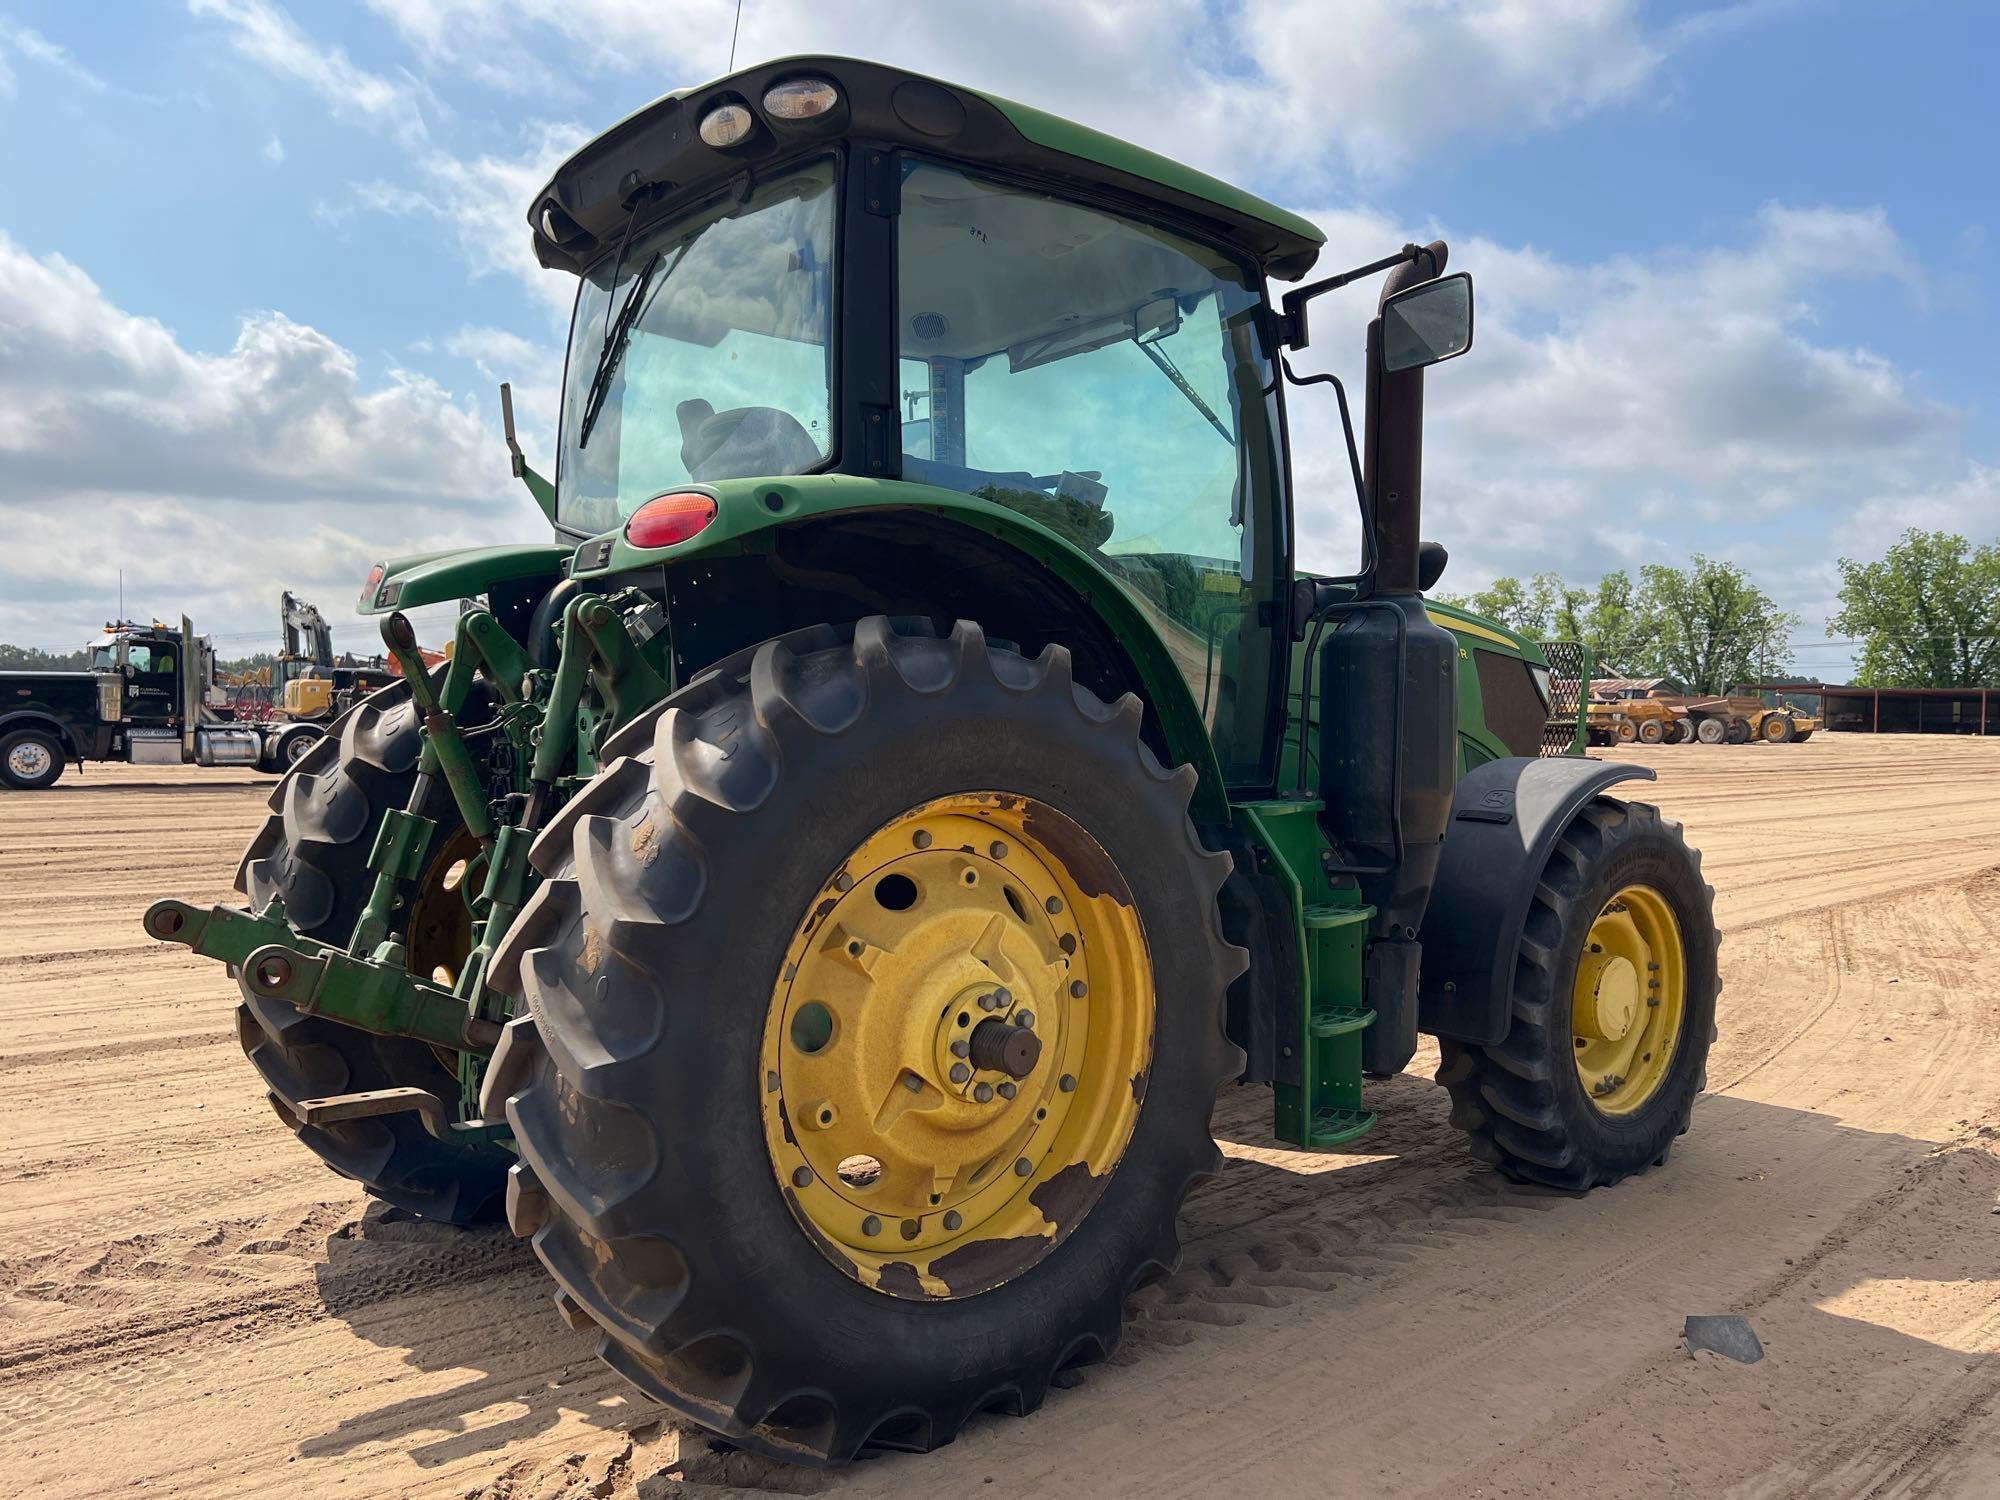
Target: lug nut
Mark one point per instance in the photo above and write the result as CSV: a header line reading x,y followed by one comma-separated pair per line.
x,y
997,849
1025,1020
1022,1166
960,1072
1053,905
989,1002
1078,989
871,1226
960,1048
802,1176
983,1093
953,1219
921,838
1007,1090
1068,1082
1002,997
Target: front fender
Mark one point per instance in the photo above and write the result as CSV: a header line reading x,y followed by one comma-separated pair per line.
x,y
1505,819
748,510
437,577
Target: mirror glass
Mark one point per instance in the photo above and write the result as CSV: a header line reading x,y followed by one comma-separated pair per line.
x,y
1427,324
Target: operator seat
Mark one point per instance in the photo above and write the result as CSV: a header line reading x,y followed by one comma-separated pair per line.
x,y
745,442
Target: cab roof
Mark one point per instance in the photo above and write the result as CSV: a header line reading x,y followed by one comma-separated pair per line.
x,y
657,155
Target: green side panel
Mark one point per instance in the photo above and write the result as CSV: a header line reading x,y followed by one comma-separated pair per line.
x,y
1323,1109
1054,133
436,577
747,510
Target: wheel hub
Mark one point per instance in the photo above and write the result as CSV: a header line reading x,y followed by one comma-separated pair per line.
x,y
956,1024
29,760
1628,1000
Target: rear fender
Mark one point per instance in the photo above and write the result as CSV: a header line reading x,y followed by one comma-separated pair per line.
x,y
1505,819
47,723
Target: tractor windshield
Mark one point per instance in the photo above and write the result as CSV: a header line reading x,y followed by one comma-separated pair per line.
x,y
703,353
1109,379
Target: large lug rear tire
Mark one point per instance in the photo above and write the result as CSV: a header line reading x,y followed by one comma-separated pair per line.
x,y
313,851
759,928
1711,730
1612,1013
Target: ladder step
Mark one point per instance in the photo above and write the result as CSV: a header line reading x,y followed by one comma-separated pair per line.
x,y
1338,916
1338,1021
1334,1127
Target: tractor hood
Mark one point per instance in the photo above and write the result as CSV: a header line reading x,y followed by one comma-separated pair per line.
x,y
657,157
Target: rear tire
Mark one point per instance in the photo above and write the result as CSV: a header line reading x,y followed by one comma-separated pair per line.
x,y
1778,729
1680,732
1627,731
1711,731
1523,1100
313,851
637,1079
31,760
1651,732
1738,732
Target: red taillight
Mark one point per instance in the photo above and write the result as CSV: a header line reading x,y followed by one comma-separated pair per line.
x,y
368,589
666,519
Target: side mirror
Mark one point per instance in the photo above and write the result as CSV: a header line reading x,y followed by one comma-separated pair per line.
x,y
1431,558
1429,323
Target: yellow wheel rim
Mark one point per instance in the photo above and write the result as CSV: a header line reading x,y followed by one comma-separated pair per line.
x,y
926,1147
1629,1000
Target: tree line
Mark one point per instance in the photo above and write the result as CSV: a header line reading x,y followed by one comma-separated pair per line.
x,y
1925,614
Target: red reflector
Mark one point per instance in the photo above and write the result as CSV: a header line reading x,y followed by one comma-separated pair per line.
x,y
666,519
368,588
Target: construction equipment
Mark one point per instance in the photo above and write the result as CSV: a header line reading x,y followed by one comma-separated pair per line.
x,y
309,684
825,890
1659,717
149,697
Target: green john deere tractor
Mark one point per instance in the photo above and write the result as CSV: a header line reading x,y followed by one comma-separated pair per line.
x,y
822,895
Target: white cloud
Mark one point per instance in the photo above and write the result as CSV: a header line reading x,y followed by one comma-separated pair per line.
x,y
268,36
1276,84
1652,406
28,43
274,150
213,479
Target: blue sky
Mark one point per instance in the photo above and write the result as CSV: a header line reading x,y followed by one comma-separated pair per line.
x,y
261,263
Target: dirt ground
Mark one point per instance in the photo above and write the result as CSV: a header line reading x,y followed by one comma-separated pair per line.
x,y
191,1305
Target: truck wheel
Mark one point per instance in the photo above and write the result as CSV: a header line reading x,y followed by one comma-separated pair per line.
x,y
291,745
1777,729
1627,731
1738,732
1612,1012
313,851
30,760
1711,731
1652,732
1681,731
1799,737
873,1024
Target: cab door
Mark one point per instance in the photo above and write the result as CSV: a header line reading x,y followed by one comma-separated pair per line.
x,y
152,683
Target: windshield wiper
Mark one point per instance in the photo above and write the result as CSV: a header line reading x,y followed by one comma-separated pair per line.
x,y
1173,372
614,348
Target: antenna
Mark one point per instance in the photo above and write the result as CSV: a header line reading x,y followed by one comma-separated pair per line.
x,y
736,27
121,593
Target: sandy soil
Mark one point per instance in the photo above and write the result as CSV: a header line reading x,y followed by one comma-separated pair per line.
x,y
191,1305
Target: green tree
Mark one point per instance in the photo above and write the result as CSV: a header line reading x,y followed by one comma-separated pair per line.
x,y
32,659
1707,626
1927,614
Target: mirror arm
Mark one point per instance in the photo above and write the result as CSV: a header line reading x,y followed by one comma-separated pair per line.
x,y
1360,490
1293,331
543,492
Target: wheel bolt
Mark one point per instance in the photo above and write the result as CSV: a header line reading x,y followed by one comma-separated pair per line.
x,y
953,1219
983,1093
989,1002
1078,989
1002,996
1025,1020
960,1048
871,1225
921,838
1067,1083
1022,1166
997,849
960,1072
802,1176
1053,905
1007,1091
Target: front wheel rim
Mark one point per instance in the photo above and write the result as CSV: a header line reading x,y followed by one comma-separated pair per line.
x,y
30,760
1629,1000
924,1146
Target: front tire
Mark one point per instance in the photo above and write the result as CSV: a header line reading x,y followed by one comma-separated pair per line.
x,y
1604,1055
713,1250
313,852
1652,732
30,760
1711,731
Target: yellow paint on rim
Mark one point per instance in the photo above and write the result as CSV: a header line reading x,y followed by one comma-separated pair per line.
x,y
1629,1001
916,1169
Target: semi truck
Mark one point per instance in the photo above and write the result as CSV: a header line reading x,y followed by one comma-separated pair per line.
x,y
149,697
